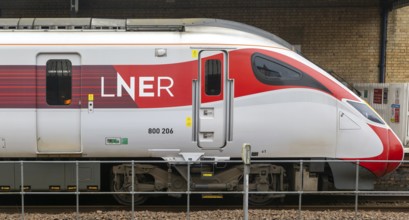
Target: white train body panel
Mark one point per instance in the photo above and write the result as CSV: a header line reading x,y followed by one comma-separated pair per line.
x,y
132,90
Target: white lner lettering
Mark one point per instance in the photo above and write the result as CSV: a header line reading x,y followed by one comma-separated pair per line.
x,y
143,85
167,88
146,86
120,83
103,90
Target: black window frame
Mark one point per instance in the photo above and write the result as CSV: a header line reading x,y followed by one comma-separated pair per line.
x,y
277,63
213,75
59,82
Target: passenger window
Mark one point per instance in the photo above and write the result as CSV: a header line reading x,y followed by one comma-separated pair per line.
x,y
59,82
213,77
271,71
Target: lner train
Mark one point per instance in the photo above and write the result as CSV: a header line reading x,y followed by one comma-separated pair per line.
x,y
178,90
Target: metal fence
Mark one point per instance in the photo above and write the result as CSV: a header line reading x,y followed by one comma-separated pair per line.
x,y
245,192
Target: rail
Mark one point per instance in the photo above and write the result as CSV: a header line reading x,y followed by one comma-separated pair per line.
x,y
300,192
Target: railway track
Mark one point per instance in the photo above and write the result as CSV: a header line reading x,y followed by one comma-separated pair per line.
x,y
311,203
179,208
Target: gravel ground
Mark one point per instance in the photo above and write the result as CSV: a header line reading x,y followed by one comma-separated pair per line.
x,y
218,215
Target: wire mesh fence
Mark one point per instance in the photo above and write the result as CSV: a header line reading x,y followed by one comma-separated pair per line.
x,y
77,190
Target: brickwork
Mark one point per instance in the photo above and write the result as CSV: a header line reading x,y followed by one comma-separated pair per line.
x,y
152,4
344,40
397,59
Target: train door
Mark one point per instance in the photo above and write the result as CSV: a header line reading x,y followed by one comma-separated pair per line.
x,y
58,103
212,100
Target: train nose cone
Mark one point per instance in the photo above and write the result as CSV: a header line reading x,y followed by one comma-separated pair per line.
x,y
392,151
395,151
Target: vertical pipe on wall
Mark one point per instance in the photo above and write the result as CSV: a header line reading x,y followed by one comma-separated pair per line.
x,y
74,7
384,34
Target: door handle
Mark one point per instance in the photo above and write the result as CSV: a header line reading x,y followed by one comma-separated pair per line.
x,y
195,107
230,99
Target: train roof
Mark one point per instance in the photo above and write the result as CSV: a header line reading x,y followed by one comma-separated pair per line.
x,y
133,25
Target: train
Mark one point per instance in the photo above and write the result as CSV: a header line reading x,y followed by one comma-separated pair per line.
x,y
175,90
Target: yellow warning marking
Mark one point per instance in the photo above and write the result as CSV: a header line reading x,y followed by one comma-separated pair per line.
x,y
92,188
90,97
26,188
4,188
207,174
212,196
188,122
195,54
71,188
55,188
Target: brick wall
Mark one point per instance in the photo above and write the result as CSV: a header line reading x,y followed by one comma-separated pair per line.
x,y
397,58
34,8
344,40
339,35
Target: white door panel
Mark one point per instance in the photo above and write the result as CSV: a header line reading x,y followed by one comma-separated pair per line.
x,y
58,125
212,105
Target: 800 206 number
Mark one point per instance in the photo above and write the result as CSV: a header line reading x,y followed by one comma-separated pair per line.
x,y
160,131
154,131
167,130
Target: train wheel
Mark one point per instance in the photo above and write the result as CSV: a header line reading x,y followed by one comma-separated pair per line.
x,y
259,199
265,178
120,184
126,199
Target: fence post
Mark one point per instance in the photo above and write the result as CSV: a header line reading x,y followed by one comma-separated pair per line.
x,y
22,189
188,191
301,189
245,155
356,188
77,189
133,189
